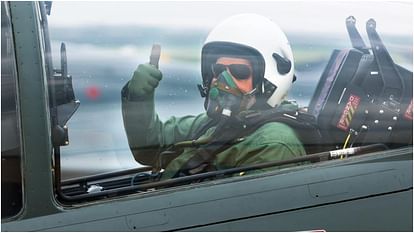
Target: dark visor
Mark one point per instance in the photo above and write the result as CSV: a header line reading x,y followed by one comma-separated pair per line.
x,y
239,71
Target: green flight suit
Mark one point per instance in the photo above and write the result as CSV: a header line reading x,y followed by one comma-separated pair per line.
x,y
147,134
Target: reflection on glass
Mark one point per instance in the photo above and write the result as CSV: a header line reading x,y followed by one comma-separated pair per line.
x,y
104,51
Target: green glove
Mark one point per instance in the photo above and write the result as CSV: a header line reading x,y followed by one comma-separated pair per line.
x,y
144,81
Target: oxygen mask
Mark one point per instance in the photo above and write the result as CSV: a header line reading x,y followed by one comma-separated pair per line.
x,y
225,99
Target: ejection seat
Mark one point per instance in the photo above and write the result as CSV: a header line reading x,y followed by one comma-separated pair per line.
x,y
363,97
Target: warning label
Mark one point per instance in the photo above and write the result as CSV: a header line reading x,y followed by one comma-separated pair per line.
x,y
409,112
349,111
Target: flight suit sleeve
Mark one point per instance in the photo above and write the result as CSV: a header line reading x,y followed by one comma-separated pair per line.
x,y
273,152
271,142
276,142
147,134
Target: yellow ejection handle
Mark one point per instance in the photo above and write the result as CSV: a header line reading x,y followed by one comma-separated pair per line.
x,y
155,55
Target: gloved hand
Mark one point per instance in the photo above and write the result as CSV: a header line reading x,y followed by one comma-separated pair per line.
x,y
144,80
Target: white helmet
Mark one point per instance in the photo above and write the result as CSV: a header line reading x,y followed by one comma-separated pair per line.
x,y
261,41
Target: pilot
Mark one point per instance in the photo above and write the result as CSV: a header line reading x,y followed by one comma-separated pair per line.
x,y
247,68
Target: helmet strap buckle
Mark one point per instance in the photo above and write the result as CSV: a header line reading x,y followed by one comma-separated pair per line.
x,y
203,90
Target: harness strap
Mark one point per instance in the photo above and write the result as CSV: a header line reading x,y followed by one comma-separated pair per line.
x,y
228,131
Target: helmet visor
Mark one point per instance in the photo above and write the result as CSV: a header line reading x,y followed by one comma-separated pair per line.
x,y
238,71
